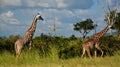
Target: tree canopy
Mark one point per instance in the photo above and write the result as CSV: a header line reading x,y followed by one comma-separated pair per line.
x,y
116,26
84,27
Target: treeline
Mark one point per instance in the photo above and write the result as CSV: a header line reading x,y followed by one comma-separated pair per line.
x,y
64,47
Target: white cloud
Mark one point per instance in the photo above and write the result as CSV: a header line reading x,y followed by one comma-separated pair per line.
x,y
111,2
59,14
8,14
39,3
119,9
61,4
74,4
8,18
81,12
2,26
118,6
79,4
43,4
4,3
30,3
84,14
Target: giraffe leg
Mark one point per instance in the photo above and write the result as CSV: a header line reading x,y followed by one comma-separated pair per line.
x,y
30,45
17,55
18,52
18,48
95,52
98,47
83,52
88,52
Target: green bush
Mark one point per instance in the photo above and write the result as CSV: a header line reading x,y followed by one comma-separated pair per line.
x,y
64,47
110,44
73,49
7,44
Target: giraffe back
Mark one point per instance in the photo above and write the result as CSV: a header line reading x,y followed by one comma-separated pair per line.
x,y
90,43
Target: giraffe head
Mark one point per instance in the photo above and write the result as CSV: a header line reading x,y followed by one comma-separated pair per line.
x,y
39,17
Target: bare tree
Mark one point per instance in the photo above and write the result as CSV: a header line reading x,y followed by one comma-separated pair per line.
x,y
110,15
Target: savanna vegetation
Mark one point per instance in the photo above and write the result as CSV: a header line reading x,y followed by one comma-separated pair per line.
x,y
56,51
59,51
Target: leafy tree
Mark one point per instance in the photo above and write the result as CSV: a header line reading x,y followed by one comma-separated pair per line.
x,y
116,26
84,27
72,37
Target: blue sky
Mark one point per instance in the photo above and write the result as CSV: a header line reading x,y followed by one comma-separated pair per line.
x,y
16,16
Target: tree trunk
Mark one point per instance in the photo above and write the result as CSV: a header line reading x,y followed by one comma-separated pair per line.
x,y
110,31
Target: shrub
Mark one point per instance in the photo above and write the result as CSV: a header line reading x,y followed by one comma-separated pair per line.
x,y
72,49
65,48
110,44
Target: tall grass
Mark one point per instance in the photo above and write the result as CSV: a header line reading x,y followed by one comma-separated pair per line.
x,y
31,58
59,52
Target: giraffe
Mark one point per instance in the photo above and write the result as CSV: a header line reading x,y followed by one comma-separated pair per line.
x,y
94,42
27,38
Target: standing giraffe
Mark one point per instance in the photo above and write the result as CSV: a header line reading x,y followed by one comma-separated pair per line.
x,y
94,42
27,38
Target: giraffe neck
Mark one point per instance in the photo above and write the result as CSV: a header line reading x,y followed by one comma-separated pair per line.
x,y
30,32
33,26
101,33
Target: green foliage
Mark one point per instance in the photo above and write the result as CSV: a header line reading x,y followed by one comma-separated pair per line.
x,y
84,27
72,50
62,47
7,44
110,44
116,26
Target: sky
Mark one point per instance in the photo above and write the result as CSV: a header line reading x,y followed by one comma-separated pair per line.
x,y
16,16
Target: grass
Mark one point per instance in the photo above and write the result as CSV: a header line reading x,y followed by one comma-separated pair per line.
x,y
32,59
